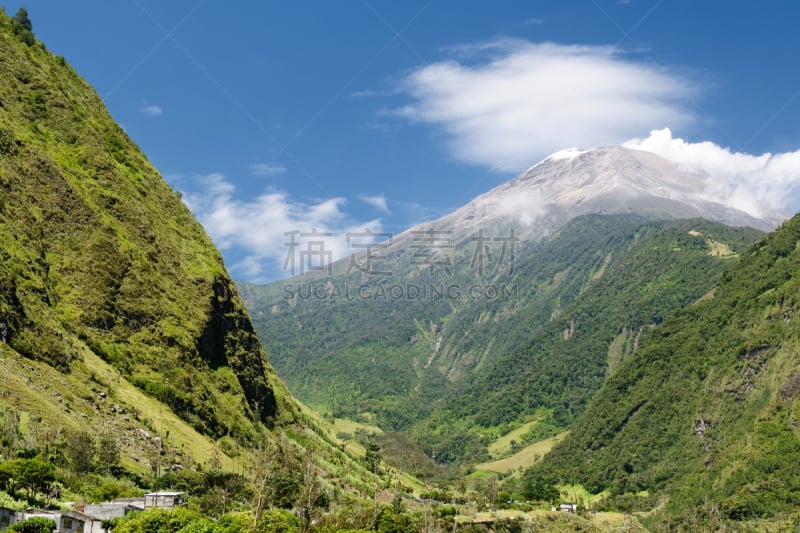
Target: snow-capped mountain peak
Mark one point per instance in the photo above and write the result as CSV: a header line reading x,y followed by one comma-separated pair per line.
x,y
607,180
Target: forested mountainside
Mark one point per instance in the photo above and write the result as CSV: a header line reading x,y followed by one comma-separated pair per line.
x,y
456,372
703,418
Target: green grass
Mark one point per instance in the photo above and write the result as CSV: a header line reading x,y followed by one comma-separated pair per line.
x,y
577,493
502,445
610,521
346,425
181,434
523,458
556,522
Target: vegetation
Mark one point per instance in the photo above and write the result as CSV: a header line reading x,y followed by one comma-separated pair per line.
x,y
455,374
22,27
100,255
34,525
706,411
128,361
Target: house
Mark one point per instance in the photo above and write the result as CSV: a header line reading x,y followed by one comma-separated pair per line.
x,y
568,507
109,510
8,517
74,522
164,500
66,521
62,519
89,518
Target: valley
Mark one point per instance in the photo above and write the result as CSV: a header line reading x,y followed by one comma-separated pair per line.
x,y
605,342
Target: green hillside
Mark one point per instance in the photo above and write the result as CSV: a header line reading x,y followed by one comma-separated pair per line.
x,y
705,413
100,255
455,373
127,358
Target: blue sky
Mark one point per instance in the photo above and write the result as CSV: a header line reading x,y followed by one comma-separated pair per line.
x,y
282,116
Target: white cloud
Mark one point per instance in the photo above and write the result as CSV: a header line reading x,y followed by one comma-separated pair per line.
x,y
152,111
378,201
267,169
253,231
759,185
525,206
508,103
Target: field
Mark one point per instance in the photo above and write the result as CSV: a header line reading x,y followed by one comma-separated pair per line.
x,y
523,458
502,446
547,521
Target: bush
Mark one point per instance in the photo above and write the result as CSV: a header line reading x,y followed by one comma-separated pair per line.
x,y
22,27
278,521
8,142
161,521
23,20
34,525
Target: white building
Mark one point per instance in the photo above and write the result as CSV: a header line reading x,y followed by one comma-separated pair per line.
x,y
164,500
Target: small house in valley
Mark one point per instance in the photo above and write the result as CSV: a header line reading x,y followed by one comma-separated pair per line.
x,y
164,500
568,507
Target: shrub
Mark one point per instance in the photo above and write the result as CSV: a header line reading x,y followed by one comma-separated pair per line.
x,y
34,525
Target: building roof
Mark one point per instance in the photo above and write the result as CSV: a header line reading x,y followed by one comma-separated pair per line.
x,y
165,493
78,515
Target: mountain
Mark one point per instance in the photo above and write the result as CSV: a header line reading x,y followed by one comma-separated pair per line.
x,y
608,180
118,321
512,309
703,417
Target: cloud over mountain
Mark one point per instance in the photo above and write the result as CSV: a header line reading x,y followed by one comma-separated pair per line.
x,y
507,103
751,183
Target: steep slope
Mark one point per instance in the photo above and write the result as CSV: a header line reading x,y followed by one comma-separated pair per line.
x,y
706,411
99,253
118,320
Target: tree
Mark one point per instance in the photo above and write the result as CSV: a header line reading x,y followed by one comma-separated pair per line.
x,y
23,20
107,452
31,475
397,503
36,524
373,457
539,489
311,493
80,451
275,477
277,521
22,27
